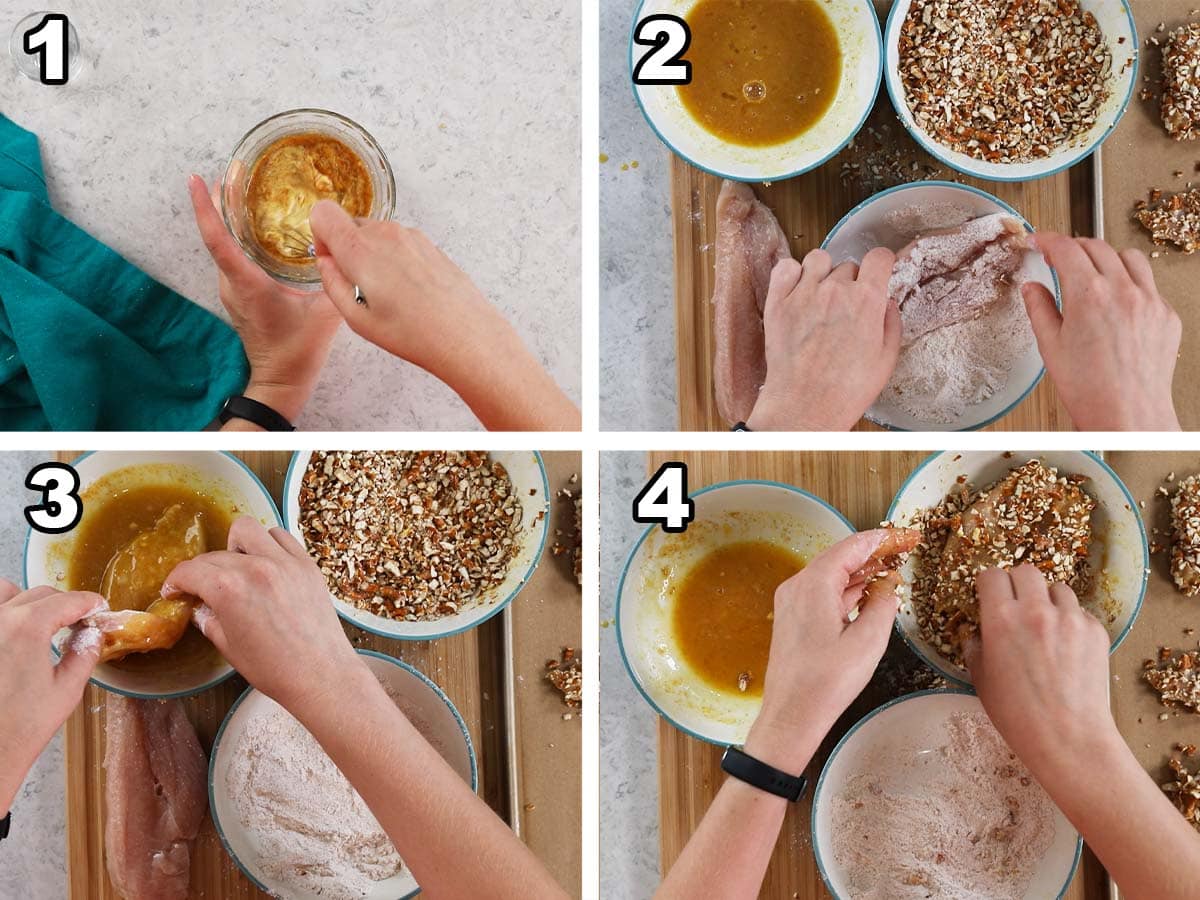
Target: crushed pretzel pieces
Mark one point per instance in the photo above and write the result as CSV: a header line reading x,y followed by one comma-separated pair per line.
x,y
1185,528
566,675
1006,81
414,536
1033,515
1171,218
1181,84
1176,678
1184,790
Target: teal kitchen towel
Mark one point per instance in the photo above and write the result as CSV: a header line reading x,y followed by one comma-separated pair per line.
x,y
89,342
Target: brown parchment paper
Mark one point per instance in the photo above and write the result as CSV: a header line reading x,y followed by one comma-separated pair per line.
x,y
1139,156
547,750
1165,614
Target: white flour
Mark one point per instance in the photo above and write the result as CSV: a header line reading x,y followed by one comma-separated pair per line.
x,y
316,833
966,823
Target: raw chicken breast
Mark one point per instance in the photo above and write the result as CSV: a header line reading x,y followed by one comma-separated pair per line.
x,y
956,275
749,244
156,795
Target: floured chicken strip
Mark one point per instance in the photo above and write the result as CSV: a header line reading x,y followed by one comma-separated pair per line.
x,y
749,244
1185,526
957,274
156,795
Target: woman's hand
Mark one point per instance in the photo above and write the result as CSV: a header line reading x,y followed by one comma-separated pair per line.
x,y
1040,667
423,308
266,607
36,696
820,661
1112,351
833,339
287,333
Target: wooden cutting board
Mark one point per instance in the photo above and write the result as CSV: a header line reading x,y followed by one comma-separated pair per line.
x,y
470,667
808,207
862,486
1164,615
1140,156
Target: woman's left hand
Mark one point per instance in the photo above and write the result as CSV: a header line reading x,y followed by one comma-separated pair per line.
x,y
287,333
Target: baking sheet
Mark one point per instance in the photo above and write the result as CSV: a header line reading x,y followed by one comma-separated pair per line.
x,y
861,485
1137,157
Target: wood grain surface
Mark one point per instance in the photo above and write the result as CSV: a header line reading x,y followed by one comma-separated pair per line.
x,y
861,485
808,207
470,667
1139,156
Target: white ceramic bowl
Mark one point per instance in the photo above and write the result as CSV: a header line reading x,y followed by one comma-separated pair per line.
x,y
419,697
725,513
867,226
46,556
899,731
862,62
1120,553
528,474
1116,21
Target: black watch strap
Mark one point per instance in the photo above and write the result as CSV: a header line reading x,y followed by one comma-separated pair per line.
x,y
252,411
741,426
758,774
5,824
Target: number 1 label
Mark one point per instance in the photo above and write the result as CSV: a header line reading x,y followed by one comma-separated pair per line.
x,y
48,41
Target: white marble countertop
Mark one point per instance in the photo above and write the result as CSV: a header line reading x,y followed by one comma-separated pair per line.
x,y
484,144
628,727
637,285
33,858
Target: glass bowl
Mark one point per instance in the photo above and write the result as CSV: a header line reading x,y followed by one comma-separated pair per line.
x,y
304,275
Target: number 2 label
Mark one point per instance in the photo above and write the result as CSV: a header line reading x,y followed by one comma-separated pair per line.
x,y
61,508
664,500
48,40
670,37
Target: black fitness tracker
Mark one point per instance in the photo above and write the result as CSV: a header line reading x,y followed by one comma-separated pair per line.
x,y
757,774
740,426
252,411
5,824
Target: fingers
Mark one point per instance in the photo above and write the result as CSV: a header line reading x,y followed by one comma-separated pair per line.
x,y
846,273
55,610
337,235
1103,257
836,566
76,665
878,610
338,287
1029,585
247,535
1138,266
993,587
973,656
816,268
1063,597
206,620
220,243
212,577
876,270
785,277
1066,255
893,330
1043,314
33,595
8,590
290,545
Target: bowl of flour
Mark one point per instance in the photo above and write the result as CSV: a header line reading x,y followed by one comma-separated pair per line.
x,y
923,800
965,370
289,818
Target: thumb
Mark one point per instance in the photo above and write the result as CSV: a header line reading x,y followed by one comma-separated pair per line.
x,y
336,234
893,328
338,288
80,654
204,618
1043,314
973,655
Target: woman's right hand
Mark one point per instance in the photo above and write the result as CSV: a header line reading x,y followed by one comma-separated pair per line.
x,y
423,308
266,607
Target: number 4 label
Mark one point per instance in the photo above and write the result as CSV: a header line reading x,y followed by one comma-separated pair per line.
x,y
670,37
664,500
61,508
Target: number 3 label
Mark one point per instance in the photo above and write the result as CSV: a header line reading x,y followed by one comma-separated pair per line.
x,y
61,508
49,40
664,500
670,38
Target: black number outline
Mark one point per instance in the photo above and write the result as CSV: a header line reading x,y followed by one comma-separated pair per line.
x,y
41,50
660,40
688,501
50,506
